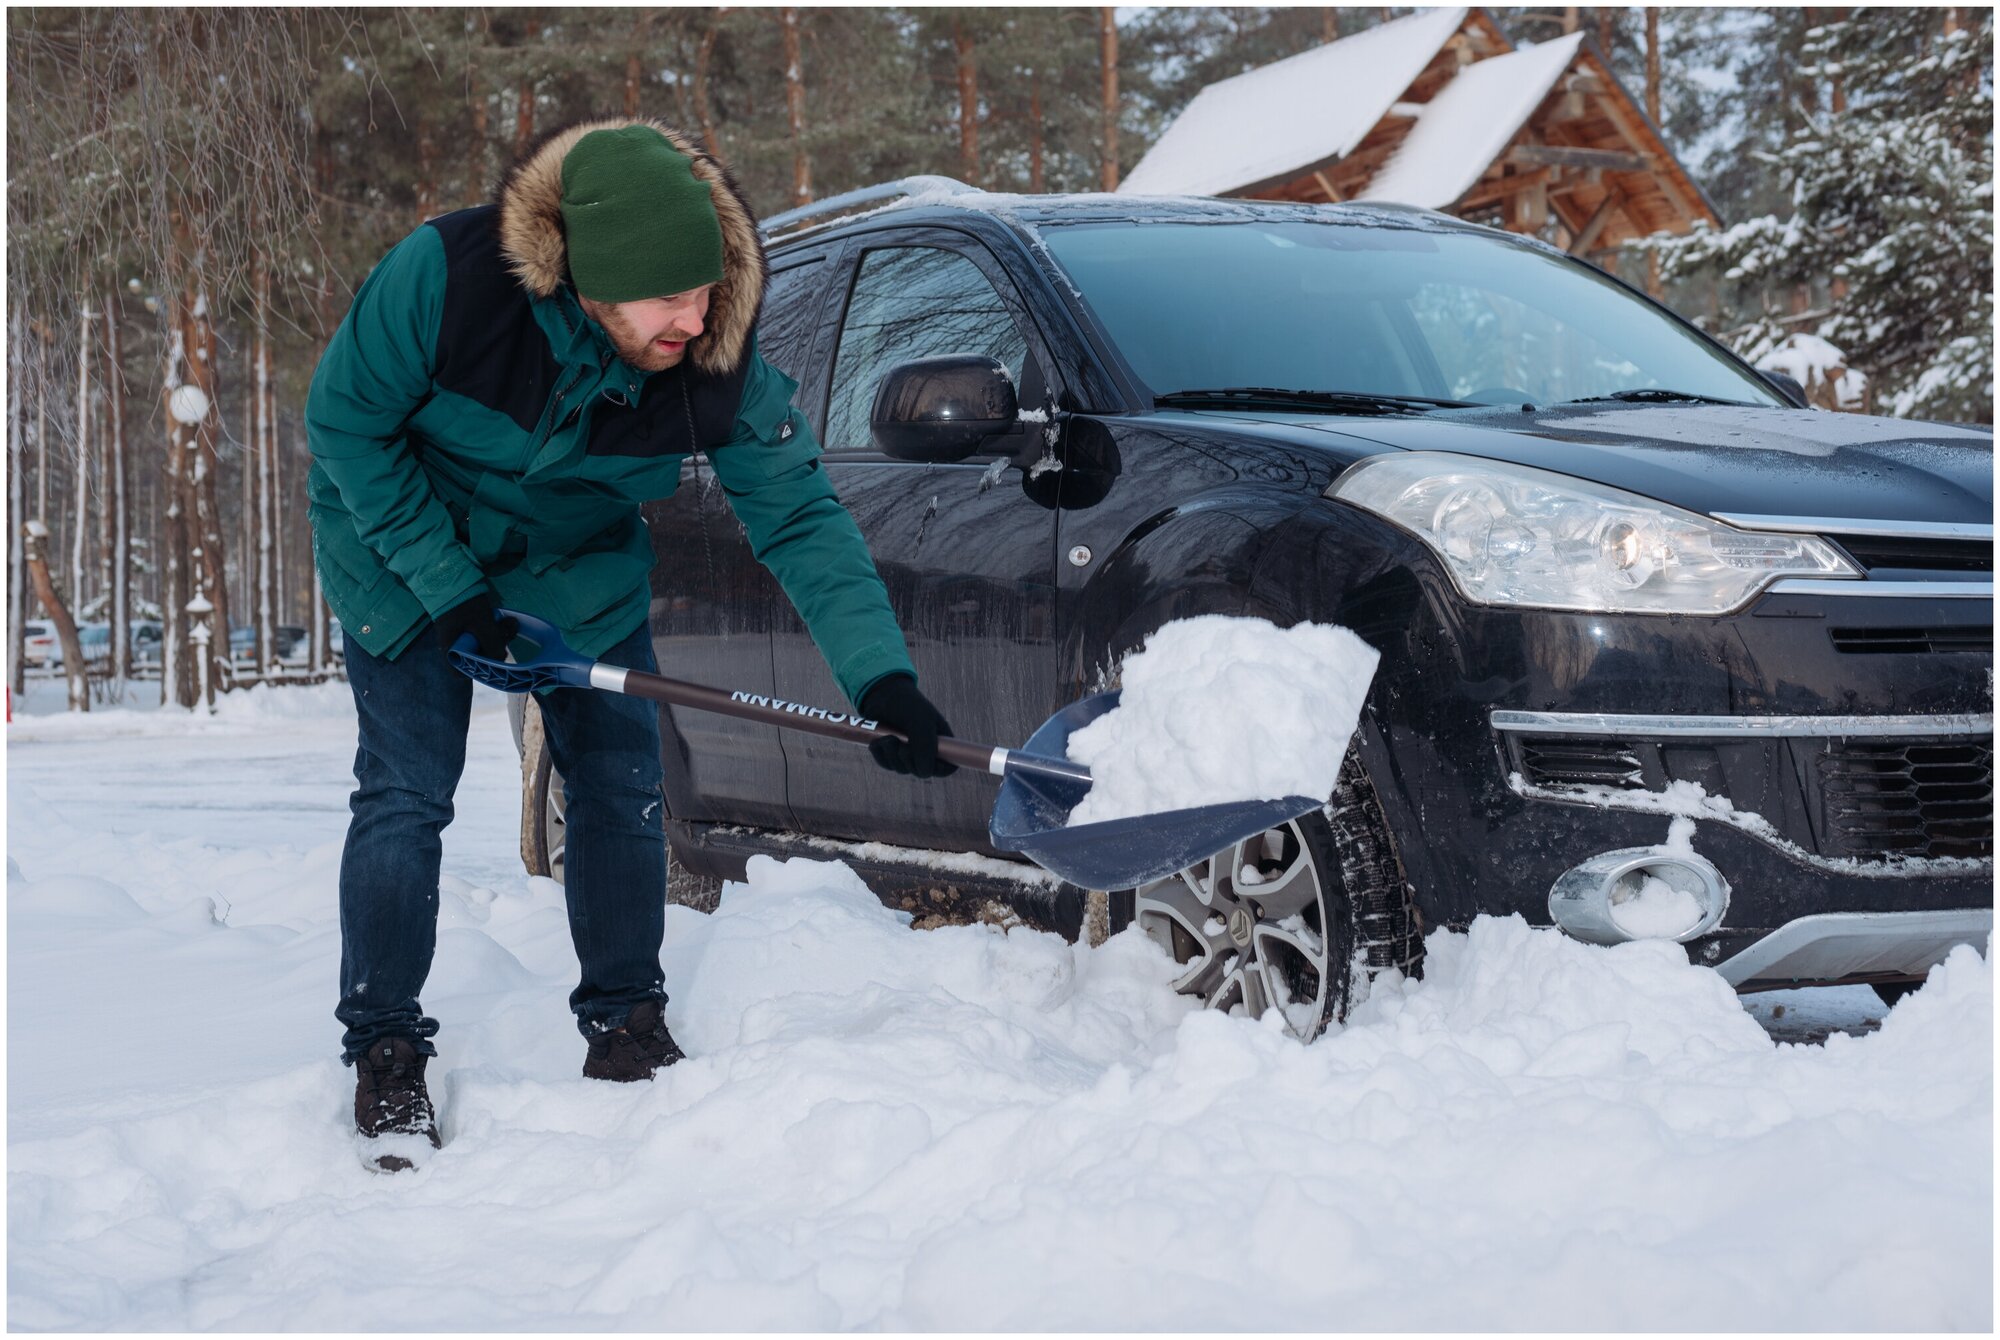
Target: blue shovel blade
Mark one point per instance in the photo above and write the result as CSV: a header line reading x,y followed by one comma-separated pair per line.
x,y
1029,815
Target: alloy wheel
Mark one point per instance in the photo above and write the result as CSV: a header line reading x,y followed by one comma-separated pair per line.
x,y
1248,926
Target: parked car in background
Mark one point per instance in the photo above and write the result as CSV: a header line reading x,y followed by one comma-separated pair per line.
x,y
146,635
95,639
1617,577
39,644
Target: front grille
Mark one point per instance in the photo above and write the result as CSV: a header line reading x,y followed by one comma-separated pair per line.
x,y
1910,551
1880,641
1908,798
1582,761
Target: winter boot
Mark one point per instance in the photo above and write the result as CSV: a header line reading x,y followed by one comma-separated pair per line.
x,y
392,1108
635,1051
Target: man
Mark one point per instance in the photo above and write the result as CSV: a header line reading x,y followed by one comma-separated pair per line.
x,y
510,384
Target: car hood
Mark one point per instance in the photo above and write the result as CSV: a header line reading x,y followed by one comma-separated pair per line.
x,y
1725,458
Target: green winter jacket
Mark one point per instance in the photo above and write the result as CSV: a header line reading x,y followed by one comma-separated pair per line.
x,y
471,428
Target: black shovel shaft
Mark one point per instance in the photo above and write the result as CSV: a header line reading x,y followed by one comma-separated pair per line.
x,y
852,727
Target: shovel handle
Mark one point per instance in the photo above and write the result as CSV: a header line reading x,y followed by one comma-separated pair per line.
x,y
850,726
554,664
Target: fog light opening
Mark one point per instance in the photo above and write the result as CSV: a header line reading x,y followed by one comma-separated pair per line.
x,y
1640,893
1656,902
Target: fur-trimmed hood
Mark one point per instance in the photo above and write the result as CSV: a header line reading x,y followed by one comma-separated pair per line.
x,y
531,236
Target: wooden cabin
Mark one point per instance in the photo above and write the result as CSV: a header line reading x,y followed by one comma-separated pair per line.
x,y
1438,110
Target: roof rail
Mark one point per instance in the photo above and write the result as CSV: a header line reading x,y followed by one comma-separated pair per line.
x,y
822,210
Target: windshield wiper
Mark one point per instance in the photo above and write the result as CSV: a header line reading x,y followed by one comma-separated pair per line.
x,y
1654,395
1347,402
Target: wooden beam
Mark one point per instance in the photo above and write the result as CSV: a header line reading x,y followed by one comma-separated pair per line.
x,y
1499,188
1529,209
1572,156
1690,206
1569,183
1326,185
1594,229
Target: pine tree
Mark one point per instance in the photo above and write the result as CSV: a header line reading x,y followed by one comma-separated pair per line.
x,y
1891,221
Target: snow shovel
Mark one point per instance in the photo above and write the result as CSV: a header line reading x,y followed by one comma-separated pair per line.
x,y
1039,786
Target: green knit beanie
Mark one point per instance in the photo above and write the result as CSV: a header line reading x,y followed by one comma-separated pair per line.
x,y
638,223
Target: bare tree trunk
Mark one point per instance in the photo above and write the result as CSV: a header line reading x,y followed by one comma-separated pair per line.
x,y
1653,64
968,104
17,506
1107,49
319,632
1838,94
100,535
208,578
1329,25
1607,30
176,681
795,108
85,320
632,67
1570,19
475,171
245,538
42,430
701,62
1035,131
176,677
524,116
427,189
266,634
58,612
121,503
281,532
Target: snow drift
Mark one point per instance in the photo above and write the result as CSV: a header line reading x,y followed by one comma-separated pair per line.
x,y
881,1128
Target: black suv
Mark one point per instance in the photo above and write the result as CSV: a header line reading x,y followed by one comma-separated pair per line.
x,y
1647,624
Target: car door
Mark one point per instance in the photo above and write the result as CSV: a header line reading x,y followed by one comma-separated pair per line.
x,y
966,550
713,602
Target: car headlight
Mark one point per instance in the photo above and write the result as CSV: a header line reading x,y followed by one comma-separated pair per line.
x,y
1515,535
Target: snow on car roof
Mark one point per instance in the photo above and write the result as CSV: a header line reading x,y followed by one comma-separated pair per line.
x,y
1465,127
1027,211
1282,117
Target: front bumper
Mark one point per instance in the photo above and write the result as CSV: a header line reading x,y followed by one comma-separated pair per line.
x,y
1856,947
1826,771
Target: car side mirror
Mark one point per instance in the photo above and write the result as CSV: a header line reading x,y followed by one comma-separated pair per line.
x,y
938,410
1788,387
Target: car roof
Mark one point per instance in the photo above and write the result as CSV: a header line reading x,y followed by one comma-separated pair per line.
x,y
919,200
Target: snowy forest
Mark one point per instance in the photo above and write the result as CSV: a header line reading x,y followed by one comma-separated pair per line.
x,y
194,196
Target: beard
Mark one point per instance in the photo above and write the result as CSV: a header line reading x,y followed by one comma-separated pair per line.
x,y
639,353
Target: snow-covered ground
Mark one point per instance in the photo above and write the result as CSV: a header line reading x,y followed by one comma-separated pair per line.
x,y
886,1128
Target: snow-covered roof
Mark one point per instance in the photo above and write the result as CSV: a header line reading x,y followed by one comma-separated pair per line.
x,y
1465,127
1287,116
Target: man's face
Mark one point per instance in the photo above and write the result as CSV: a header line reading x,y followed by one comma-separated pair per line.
x,y
651,334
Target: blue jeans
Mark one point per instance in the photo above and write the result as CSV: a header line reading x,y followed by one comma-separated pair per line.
x,y
414,710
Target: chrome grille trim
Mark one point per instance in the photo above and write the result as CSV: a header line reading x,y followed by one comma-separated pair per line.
x,y
1831,525
1806,586
1753,727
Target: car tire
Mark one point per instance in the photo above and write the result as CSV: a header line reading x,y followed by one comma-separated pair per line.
x,y
545,835
1324,911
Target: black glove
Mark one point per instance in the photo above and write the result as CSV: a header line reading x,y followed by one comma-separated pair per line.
x,y
475,616
894,702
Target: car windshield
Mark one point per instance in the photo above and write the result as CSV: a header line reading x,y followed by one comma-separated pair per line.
x,y
1322,306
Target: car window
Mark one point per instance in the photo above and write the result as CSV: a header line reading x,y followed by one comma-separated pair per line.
x,y
1299,304
909,303
789,318
1486,343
